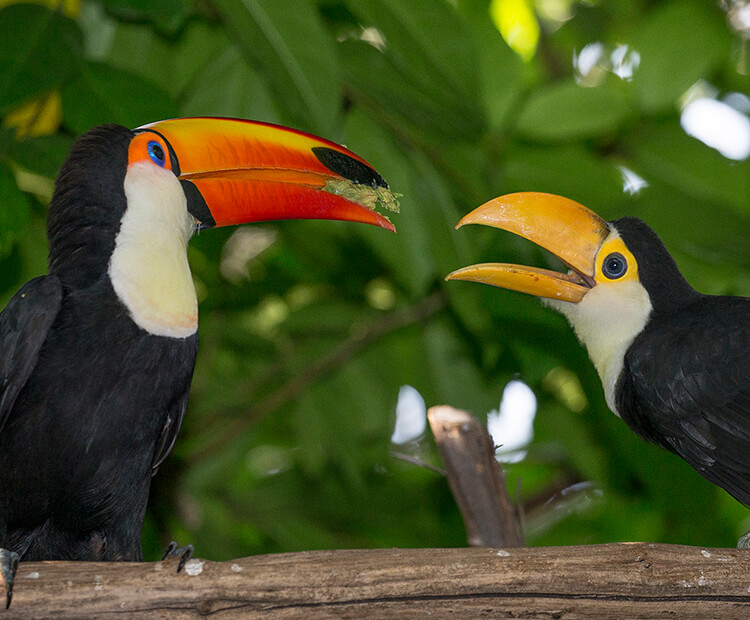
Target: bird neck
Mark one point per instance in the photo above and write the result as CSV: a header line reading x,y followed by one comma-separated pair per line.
x,y
87,206
605,333
149,269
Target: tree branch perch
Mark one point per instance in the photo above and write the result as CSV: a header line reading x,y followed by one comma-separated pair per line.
x,y
634,580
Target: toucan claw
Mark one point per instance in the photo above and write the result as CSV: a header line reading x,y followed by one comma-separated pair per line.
x,y
175,551
744,541
8,568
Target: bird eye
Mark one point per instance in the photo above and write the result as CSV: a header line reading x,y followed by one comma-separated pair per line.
x,y
156,153
614,266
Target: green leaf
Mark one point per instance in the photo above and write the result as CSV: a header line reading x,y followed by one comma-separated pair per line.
x,y
40,50
572,171
171,63
433,48
566,111
102,94
242,94
7,138
428,63
201,68
293,54
395,99
167,14
668,153
14,214
407,253
679,43
42,155
501,78
708,231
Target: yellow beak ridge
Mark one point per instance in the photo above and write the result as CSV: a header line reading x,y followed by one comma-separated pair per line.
x,y
566,228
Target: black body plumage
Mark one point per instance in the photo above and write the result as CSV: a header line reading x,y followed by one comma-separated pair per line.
x,y
90,403
685,383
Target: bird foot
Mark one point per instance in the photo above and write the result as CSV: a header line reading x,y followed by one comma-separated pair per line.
x,y
175,551
8,568
744,542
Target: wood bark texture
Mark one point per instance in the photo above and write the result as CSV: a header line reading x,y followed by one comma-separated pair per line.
x,y
625,580
475,477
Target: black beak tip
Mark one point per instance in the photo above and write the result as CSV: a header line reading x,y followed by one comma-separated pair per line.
x,y
348,167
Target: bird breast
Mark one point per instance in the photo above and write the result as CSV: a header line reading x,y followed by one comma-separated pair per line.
x,y
149,269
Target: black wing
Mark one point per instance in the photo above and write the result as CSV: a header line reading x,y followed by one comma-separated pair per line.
x,y
182,364
169,431
686,387
24,325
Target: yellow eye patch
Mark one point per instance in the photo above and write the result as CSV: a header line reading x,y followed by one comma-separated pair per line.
x,y
615,263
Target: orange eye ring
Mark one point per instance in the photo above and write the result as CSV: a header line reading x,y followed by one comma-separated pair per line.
x,y
150,147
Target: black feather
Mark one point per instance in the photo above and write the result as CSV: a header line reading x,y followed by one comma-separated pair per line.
x,y
90,403
685,383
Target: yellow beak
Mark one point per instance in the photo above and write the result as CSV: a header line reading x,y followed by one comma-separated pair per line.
x,y
564,227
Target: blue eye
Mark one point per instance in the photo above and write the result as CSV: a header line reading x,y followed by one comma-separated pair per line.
x,y
614,266
156,153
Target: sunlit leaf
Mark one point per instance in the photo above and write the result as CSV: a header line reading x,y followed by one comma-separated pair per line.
x,y
500,69
39,117
517,23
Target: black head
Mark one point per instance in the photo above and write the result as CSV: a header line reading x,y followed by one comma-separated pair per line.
x,y
87,205
657,271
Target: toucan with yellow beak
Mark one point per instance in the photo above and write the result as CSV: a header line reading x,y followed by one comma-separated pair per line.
x,y
673,362
97,357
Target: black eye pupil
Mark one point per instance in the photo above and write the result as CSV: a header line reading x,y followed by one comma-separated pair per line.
x,y
156,153
614,266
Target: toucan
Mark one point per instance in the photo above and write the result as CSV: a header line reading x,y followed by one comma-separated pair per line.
x,y
673,362
97,357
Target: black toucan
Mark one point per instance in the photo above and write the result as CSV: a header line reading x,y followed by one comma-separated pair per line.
x,y
96,358
673,362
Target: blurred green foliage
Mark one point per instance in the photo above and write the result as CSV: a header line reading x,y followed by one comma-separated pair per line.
x,y
308,329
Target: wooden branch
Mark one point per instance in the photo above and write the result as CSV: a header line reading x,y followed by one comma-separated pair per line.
x,y
475,477
633,580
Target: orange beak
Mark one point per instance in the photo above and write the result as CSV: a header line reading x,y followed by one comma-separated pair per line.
x,y
562,226
236,171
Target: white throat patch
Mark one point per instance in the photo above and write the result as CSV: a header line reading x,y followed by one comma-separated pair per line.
x,y
606,321
149,268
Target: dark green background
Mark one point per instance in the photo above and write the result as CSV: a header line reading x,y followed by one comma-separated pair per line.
x,y
286,442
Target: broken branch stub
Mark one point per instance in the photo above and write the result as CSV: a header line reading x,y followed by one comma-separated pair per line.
x,y
476,479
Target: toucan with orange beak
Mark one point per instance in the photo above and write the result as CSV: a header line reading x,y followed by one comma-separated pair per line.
x,y
97,357
673,362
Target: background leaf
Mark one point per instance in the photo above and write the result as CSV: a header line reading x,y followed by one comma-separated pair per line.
x,y
567,111
679,43
309,329
15,212
41,49
102,94
278,41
